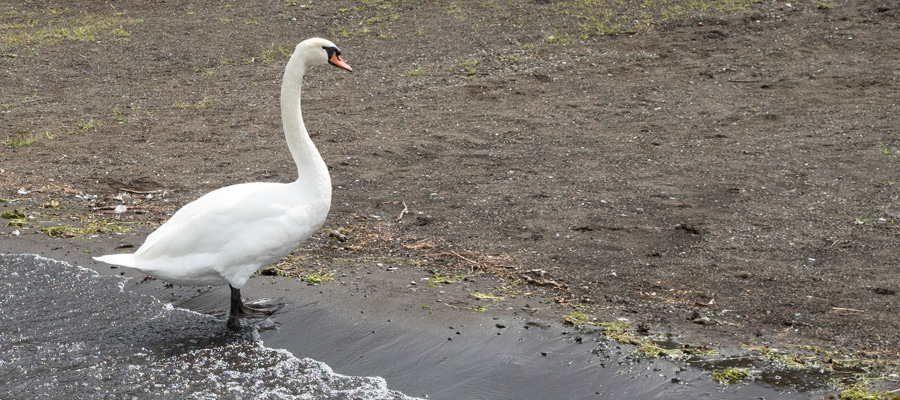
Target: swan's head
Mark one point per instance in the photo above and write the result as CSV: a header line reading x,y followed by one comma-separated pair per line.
x,y
318,51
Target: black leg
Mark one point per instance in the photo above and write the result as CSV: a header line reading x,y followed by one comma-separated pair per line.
x,y
234,319
254,309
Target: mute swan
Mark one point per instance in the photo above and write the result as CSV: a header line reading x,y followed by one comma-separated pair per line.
x,y
226,235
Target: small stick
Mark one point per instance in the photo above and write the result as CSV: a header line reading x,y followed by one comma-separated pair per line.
x,y
405,210
131,207
474,263
845,309
460,256
139,191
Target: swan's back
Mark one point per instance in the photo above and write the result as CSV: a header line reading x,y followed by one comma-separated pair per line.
x,y
193,218
226,235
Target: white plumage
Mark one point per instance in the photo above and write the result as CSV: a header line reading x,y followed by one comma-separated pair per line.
x,y
226,235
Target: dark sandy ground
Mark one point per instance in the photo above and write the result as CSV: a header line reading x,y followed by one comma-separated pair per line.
x,y
726,176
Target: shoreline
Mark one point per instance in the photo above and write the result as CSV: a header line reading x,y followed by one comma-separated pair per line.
x,y
377,326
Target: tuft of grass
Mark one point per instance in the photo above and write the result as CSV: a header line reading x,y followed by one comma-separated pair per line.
x,y
89,228
370,17
287,267
730,376
790,359
526,47
859,370
825,6
268,55
469,67
860,391
622,332
27,140
885,151
470,308
22,141
20,222
486,296
315,279
51,205
417,71
457,12
603,17
14,214
205,103
579,318
276,269
510,58
121,34
440,279
118,115
342,32
56,27
88,125
618,331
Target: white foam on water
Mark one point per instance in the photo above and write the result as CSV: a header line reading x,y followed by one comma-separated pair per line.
x,y
65,331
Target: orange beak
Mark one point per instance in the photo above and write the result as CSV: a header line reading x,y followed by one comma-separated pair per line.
x,y
338,62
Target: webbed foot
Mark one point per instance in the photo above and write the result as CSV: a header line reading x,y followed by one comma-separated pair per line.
x,y
256,308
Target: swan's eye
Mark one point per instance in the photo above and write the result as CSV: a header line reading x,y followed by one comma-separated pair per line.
x,y
331,50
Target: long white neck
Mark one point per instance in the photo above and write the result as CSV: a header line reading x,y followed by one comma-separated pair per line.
x,y
312,173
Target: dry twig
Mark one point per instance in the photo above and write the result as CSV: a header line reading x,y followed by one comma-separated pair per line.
x,y
405,211
846,309
139,191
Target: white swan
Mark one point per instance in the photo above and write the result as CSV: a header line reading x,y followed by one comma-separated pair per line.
x,y
226,235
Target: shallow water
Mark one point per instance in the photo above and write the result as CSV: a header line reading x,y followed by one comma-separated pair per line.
x,y
67,332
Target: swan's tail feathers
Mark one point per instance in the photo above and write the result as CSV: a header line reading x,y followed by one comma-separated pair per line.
x,y
125,260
